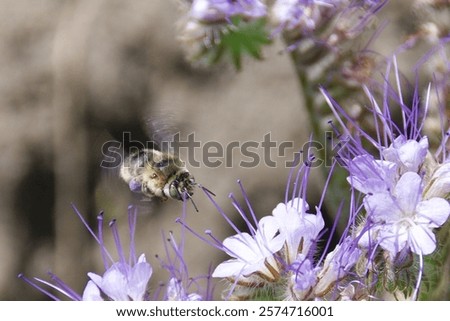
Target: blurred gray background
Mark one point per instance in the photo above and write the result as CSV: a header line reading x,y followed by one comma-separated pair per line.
x,y
71,69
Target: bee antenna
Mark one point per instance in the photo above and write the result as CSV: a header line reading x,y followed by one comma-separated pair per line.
x,y
206,189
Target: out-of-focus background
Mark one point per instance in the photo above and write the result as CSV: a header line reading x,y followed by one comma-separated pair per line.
x,y
69,70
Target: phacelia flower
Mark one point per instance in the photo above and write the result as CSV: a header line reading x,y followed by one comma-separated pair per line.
x,y
370,175
123,280
177,292
338,263
207,22
213,11
128,278
252,254
298,14
408,154
404,219
298,228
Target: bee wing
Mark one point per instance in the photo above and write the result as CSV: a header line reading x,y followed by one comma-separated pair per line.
x,y
162,132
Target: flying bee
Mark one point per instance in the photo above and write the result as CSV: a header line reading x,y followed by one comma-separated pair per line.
x,y
152,170
157,174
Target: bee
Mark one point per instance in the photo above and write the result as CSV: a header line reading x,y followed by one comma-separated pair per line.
x,y
154,173
150,165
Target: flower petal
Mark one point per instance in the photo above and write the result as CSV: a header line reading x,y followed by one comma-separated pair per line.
x,y
91,292
393,238
408,154
422,240
368,175
241,246
137,283
434,212
382,208
409,192
230,268
114,284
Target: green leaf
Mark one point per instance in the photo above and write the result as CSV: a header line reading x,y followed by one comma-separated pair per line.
x,y
238,39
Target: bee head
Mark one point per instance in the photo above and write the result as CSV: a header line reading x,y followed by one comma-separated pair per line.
x,y
182,184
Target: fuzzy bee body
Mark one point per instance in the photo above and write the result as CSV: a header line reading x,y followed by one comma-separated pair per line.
x,y
154,173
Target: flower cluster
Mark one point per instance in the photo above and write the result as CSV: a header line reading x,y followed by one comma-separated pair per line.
x,y
405,187
404,197
127,279
277,257
318,33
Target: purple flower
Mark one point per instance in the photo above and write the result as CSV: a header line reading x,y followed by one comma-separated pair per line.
x,y
181,286
176,292
252,253
408,154
123,280
405,188
209,11
127,278
403,219
298,228
337,265
304,275
370,175
298,14
311,17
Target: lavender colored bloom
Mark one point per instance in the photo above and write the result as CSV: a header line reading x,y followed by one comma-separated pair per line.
x,y
311,17
126,279
337,265
121,282
181,286
405,220
304,275
298,228
252,253
408,154
298,14
209,11
370,175
177,292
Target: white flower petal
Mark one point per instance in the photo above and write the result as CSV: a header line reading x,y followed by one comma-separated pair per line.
x,y
422,240
97,279
408,154
91,292
230,268
114,284
382,208
138,280
439,184
242,246
267,234
409,192
433,212
393,238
